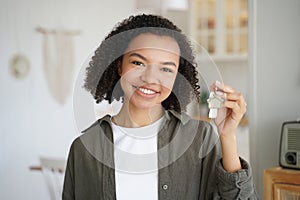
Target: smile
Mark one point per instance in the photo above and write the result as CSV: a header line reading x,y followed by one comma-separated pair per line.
x,y
146,91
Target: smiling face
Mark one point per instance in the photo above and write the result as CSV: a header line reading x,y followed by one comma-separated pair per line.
x,y
148,70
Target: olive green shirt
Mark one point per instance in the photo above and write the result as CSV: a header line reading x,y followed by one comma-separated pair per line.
x,y
189,164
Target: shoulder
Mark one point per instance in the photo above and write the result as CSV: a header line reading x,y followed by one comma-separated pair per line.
x,y
97,124
91,133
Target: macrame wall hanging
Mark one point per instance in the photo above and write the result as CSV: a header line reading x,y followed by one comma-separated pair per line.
x,y
58,61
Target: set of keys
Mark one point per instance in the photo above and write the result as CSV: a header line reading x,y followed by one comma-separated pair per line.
x,y
215,102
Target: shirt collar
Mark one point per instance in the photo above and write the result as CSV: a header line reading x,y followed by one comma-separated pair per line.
x,y
182,117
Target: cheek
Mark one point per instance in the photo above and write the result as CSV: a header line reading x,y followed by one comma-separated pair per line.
x,y
130,75
168,82
127,78
166,92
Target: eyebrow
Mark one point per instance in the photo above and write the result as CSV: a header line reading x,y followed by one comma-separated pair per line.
x,y
145,59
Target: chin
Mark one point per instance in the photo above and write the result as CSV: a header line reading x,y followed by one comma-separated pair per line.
x,y
144,104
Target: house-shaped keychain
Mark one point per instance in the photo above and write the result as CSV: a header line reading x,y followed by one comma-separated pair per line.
x,y
214,103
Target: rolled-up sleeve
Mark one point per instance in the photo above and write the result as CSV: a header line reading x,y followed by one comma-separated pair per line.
x,y
238,185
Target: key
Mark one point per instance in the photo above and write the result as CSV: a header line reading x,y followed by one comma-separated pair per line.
x,y
215,102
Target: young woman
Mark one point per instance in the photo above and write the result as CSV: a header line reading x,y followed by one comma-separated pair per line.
x,y
151,149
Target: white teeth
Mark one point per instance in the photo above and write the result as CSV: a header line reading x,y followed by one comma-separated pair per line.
x,y
146,91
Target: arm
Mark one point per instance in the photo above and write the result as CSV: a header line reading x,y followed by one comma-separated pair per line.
x,y
227,121
234,176
219,184
238,185
230,156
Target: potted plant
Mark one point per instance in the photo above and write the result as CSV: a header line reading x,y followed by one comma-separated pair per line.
x,y
204,95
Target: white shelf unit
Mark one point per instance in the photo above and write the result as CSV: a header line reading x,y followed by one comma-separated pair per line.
x,y
221,27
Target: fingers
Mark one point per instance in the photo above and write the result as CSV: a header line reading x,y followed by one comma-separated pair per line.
x,y
236,107
233,100
222,87
235,97
236,102
233,110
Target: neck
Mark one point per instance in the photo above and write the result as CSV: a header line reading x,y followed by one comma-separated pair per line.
x,y
133,117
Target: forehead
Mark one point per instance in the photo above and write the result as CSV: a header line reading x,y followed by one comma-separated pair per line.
x,y
152,41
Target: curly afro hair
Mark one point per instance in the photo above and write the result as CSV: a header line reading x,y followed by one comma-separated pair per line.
x,y
102,77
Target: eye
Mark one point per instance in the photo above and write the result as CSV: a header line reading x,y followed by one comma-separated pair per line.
x,y
165,69
137,63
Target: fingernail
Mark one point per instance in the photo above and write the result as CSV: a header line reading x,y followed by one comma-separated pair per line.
x,y
219,93
218,83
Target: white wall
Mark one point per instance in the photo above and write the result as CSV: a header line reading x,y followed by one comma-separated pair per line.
x,y
33,124
274,77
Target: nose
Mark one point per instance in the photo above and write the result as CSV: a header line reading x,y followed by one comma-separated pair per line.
x,y
150,75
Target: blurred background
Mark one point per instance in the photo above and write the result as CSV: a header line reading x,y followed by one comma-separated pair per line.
x,y
45,44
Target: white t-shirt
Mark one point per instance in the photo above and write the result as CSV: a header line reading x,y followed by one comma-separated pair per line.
x,y
135,155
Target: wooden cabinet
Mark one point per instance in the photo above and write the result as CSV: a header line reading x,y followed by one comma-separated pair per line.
x,y
281,184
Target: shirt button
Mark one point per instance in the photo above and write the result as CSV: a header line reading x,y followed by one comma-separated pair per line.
x,y
165,186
